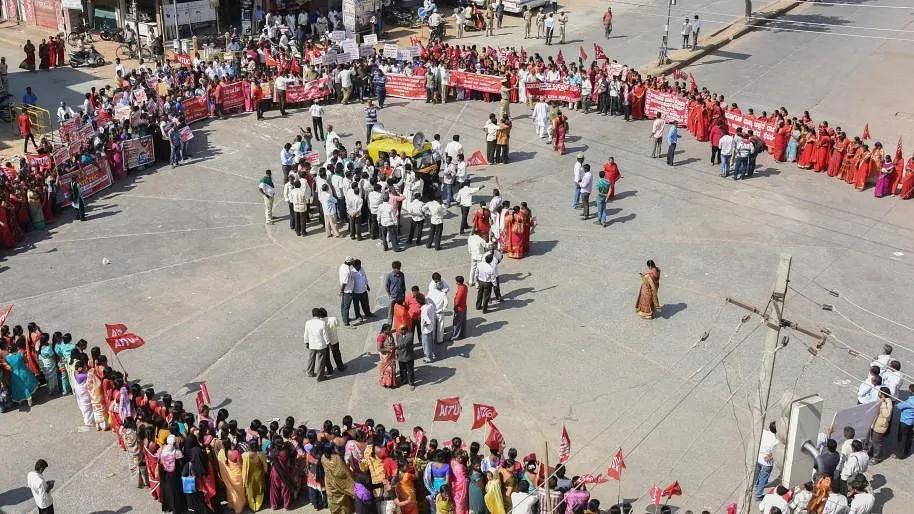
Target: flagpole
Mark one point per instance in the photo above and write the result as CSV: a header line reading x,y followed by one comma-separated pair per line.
x,y
619,503
546,485
122,366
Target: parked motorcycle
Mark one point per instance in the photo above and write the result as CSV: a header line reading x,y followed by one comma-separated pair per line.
x,y
86,56
112,35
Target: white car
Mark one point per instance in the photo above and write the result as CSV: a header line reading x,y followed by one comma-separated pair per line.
x,y
516,6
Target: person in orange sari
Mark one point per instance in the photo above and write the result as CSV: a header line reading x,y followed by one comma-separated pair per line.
x,y
837,155
907,183
780,142
505,241
516,233
387,369
822,151
692,117
849,166
899,172
648,303
559,132
529,224
807,154
877,157
864,166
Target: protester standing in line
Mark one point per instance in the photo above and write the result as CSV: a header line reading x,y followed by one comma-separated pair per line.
x,y
317,121
672,139
333,342
300,197
657,136
41,488
696,28
317,341
268,191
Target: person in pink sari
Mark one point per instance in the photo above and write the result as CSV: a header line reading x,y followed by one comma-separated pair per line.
x,y
459,482
886,178
116,160
517,233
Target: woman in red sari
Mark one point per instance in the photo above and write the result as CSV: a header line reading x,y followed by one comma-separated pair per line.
x,y
864,165
7,234
559,131
506,241
907,183
704,122
837,155
780,142
151,454
519,234
638,96
512,86
808,150
822,152
692,117
852,157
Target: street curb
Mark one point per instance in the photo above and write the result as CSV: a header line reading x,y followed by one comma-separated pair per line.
x,y
724,35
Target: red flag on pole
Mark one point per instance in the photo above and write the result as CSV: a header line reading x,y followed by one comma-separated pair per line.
x,y
899,168
477,159
495,441
447,409
398,413
269,60
692,85
599,53
481,414
655,494
899,151
564,446
295,67
5,314
115,329
123,342
582,53
866,132
672,490
615,468
559,58
204,390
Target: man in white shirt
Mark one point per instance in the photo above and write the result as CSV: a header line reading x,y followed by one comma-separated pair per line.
x,y
657,135
765,462
868,391
586,185
436,213
280,84
882,360
464,197
462,177
317,341
453,148
347,285
415,210
775,499
317,121
428,324
485,275
299,197
41,488
726,154
857,462
862,501
345,77
491,131
354,211
891,376
375,197
390,224
437,295
576,174
477,247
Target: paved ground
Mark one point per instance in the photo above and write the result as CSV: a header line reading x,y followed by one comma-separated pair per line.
x,y
220,297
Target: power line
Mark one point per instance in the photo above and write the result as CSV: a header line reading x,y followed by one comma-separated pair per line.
x,y
837,294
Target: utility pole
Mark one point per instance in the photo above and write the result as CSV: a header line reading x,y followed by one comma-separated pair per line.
x,y
136,26
773,314
665,40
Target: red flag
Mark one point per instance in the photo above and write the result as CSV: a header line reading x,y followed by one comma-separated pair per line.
x,y
495,441
447,409
866,131
295,67
477,159
564,446
204,390
587,478
269,60
582,53
560,59
615,468
655,494
5,314
115,329
672,490
599,53
184,60
313,158
692,85
481,414
678,74
415,41
398,413
200,401
899,152
123,342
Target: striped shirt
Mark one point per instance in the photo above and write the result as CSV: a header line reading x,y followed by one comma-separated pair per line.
x,y
371,115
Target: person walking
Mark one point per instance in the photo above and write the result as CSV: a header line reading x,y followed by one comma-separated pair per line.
x,y
464,197
477,247
485,276
672,138
608,22
347,287
317,121
354,203
459,324
41,488
76,199
333,343
25,130
499,13
657,136
406,355
586,187
317,341
268,191
371,119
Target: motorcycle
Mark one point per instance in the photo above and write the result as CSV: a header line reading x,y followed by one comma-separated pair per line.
x,y
112,35
86,56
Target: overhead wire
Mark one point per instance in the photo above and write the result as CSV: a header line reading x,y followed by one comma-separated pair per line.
x,y
838,294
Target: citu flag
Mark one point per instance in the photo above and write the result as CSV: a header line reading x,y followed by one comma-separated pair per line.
x,y
5,314
494,440
564,446
866,132
582,53
615,468
672,490
899,167
599,53
477,159
559,58
655,493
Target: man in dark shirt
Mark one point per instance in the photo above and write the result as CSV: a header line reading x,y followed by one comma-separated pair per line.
x,y
395,287
827,460
406,357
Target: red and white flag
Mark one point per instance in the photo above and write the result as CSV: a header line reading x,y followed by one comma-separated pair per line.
x,y
115,329
564,446
692,85
200,401
655,494
477,159
482,414
866,132
599,53
582,53
204,391
495,441
672,490
899,151
559,58
447,409
5,314
123,342
269,61
312,158
615,468
398,413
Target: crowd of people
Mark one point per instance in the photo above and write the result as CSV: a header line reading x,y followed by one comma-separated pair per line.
x,y
50,54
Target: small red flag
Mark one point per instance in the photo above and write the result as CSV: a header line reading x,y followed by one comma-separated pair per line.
x,y
560,59
115,329
398,413
672,490
481,414
599,53
587,478
295,67
495,441
655,494
615,468
201,401
204,390
582,53
447,409
564,446
477,159
123,342
269,60
692,85
5,314
899,151
866,131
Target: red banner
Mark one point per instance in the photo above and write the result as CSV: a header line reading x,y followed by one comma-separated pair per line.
x,y
195,109
447,409
481,414
91,179
587,478
232,96
313,90
398,413
554,91
475,81
673,108
115,329
760,128
184,60
401,86
672,490
69,130
495,441
126,341
60,155
40,162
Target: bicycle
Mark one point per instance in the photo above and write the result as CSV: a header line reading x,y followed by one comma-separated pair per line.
x,y
80,35
129,51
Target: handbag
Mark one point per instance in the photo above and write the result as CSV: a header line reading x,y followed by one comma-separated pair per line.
x,y
188,481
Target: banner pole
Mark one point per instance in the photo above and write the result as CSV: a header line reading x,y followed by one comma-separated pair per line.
x,y
122,365
547,475
619,498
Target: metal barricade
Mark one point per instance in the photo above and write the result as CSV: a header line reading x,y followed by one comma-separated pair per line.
x,y
40,118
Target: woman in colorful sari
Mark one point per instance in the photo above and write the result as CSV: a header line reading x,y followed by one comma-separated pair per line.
x,y
338,479
151,454
230,472
387,369
116,159
459,481
281,484
518,232
134,453
886,178
170,473
35,213
47,361
648,303
94,388
559,132
495,501
864,166
63,347
822,151
505,241
851,159
22,380
253,472
837,155
807,150
81,392
907,183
